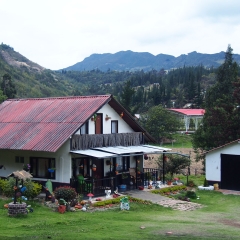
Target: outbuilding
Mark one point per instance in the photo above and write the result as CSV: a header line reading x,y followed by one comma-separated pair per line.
x,y
223,165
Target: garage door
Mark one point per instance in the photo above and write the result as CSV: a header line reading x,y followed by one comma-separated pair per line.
x,y
230,169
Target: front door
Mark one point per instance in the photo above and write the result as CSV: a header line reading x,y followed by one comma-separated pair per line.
x,y
99,124
230,165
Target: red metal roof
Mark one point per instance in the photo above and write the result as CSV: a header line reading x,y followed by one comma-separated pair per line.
x,y
44,124
189,112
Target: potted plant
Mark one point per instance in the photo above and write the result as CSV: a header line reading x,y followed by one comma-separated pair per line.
x,y
94,167
51,170
138,170
124,178
107,117
62,205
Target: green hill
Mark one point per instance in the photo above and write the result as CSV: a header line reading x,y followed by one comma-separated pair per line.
x,y
30,79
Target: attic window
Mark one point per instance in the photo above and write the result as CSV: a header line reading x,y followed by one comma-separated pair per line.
x,y
114,126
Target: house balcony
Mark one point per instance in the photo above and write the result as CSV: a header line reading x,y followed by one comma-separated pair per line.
x,y
87,141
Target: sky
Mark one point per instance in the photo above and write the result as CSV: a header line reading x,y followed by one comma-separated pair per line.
x,y
59,33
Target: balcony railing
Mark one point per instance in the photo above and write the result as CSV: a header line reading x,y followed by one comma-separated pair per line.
x,y
98,186
86,141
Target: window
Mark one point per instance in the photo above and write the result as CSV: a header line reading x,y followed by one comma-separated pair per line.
x,y
19,159
84,128
40,166
122,164
114,126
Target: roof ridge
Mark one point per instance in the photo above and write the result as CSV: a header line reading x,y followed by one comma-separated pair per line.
x,y
61,97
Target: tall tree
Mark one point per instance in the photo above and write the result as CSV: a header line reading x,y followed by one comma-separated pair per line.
x,y
160,123
127,95
219,126
8,87
2,97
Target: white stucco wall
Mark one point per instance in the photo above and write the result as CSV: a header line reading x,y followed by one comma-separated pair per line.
x,y
123,127
213,161
62,159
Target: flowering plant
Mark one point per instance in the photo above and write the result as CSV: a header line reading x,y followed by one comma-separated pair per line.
x,y
26,167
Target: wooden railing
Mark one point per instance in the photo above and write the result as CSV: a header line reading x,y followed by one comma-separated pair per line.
x,y
86,141
98,186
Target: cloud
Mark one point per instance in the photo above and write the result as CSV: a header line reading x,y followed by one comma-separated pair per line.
x,y
57,34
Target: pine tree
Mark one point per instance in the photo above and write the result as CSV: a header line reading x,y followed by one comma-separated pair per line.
x,y
8,87
219,125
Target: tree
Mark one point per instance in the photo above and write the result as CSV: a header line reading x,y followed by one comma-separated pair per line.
x,y
160,123
127,95
219,121
2,96
8,87
174,164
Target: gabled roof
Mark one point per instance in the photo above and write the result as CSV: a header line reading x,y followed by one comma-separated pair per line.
x,y
189,112
223,146
45,124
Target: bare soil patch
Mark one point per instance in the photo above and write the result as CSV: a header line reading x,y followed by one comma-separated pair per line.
x,y
195,168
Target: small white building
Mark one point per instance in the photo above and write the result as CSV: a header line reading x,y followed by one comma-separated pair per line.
x,y
223,165
187,114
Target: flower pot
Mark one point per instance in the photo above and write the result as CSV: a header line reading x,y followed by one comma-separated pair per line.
x,y
51,170
94,169
62,208
169,182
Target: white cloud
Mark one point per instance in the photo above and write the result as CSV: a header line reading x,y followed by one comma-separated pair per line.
x,y
57,34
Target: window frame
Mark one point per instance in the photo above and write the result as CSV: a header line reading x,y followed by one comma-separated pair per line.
x,y
116,127
36,167
85,127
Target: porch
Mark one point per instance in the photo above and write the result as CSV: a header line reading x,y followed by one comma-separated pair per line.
x,y
131,182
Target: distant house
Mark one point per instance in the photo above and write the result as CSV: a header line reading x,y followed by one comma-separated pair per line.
x,y
223,164
187,114
65,137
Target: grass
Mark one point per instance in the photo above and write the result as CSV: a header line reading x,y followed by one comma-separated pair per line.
x,y
218,219
180,141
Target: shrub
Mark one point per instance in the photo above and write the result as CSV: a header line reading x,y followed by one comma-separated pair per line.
x,y
205,184
191,194
163,191
2,185
32,189
65,192
8,185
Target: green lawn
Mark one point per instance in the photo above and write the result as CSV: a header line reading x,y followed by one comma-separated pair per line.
x,y
180,141
218,219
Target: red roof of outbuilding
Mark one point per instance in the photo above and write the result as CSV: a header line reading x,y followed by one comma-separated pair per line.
x,y
44,124
189,112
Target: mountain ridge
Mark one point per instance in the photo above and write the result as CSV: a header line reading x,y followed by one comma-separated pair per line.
x,y
134,61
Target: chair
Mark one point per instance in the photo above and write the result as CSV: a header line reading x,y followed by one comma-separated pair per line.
x,y
83,185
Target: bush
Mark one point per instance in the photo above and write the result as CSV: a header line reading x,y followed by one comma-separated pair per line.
x,y
8,185
65,192
2,185
163,191
32,188
191,194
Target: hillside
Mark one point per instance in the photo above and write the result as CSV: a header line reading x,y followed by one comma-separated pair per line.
x,y
31,79
135,61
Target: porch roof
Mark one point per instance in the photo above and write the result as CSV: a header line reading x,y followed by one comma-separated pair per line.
x,y
94,153
105,152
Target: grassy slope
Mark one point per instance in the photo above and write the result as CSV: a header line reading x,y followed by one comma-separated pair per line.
x,y
219,219
180,141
